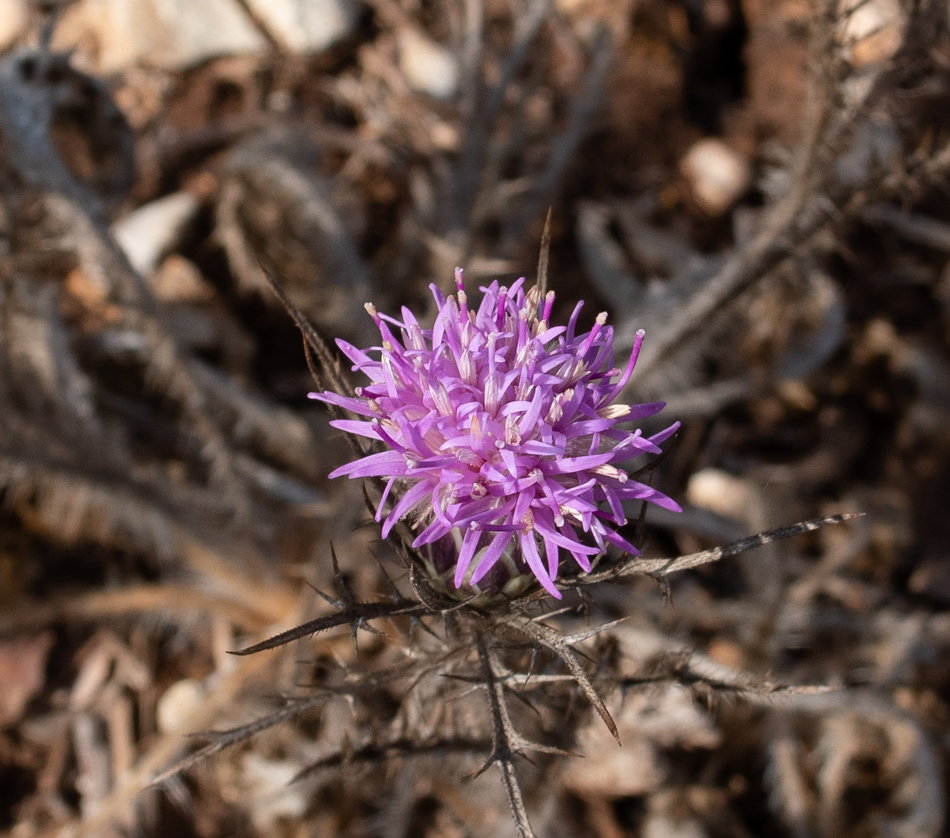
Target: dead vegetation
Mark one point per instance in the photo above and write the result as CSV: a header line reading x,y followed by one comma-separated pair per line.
x,y
761,186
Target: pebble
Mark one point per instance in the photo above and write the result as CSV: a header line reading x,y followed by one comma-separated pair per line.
x,y
427,66
178,281
306,26
113,35
154,229
14,16
874,30
269,787
178,704
717,175
719,492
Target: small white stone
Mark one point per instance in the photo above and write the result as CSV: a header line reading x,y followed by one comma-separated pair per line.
x,y
14,16
177,280
719,492
154,229
717,175
177,705
271,792
306,26
428,67
873,30
664,825
112,35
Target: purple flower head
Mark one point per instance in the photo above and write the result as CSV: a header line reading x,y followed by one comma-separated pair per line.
x,y
500,431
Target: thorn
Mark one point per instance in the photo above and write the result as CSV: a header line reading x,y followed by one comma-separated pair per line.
x,y
542,281
393,590
479,771
342,588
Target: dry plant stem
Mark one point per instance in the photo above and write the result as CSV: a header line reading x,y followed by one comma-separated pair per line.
x,y
914,227
474,16
28,473
329,370
374,753
272,599
170,602
225,738
348,612
664,567
502,732
356,685
356,616
791,222
583,108
263,167
813,201
790,794
803,211
164,751
27,108
483,107
712,681
561,645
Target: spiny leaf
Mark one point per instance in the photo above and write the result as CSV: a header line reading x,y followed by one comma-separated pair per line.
x,y
663,567
561,647
221,739
686,669
354,616
374,752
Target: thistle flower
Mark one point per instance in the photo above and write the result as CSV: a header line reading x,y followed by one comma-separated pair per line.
x,y
501,432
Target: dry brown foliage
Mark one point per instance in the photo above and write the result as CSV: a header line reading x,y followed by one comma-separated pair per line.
x,y
162,490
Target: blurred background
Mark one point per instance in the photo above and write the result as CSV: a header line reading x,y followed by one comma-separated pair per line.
x,y
761,186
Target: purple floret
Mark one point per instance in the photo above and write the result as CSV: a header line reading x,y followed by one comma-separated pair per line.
x,y
502,428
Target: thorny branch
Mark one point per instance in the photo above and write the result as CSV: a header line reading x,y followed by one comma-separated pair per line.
x,y
504,739
663,567
561,646
355,616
